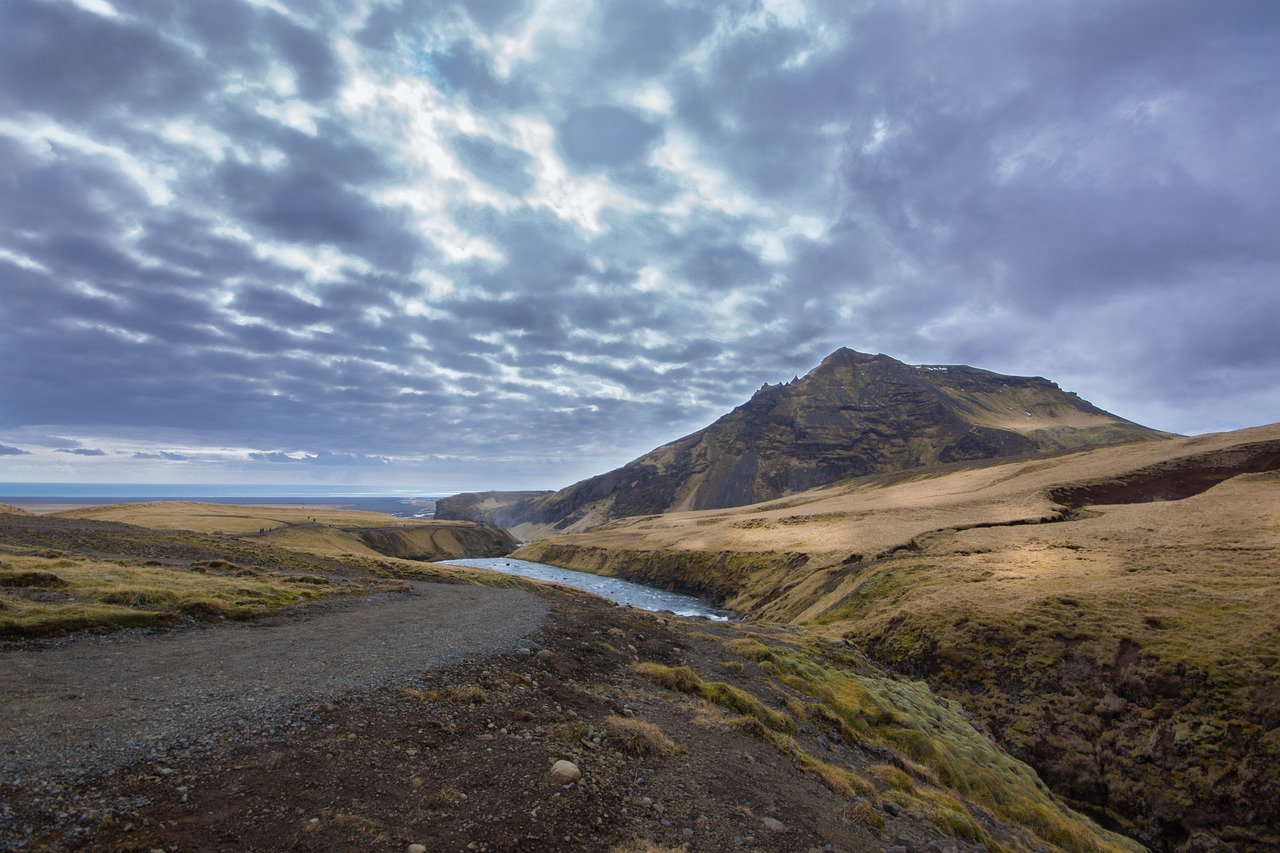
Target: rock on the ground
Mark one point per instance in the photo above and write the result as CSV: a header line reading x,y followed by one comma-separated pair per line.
x,y
563,772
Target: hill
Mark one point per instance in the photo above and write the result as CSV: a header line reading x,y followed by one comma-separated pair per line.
x,y
332,725
314,529
851,416
1109,615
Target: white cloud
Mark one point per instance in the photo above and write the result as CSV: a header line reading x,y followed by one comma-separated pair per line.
x,y
98,7
45,139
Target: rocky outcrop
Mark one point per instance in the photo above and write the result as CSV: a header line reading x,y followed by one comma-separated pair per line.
x,y
852,415
714,575
484,507
439,541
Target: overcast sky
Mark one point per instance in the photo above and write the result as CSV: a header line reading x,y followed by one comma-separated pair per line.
x,y
513,243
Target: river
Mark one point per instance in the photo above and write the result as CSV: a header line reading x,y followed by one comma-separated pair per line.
x,y
614,589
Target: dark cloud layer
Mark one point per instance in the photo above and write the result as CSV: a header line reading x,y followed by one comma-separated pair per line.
x,y
516,242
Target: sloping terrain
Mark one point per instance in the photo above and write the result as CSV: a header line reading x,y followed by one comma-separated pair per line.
x,y
482,507
332,727
1110,615
852,415
315,530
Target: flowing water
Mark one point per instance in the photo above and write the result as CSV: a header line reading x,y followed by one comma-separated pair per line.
x,y
614,589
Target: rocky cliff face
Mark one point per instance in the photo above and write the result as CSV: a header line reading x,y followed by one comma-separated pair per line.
x,y
852,415
483,507
438,542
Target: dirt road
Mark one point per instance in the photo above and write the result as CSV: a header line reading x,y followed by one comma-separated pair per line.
x,y
100,703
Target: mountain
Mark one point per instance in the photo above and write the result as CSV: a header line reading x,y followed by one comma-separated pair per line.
x,y
852,415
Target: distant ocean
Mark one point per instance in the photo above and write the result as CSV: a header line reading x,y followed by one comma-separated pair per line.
x,y
396,501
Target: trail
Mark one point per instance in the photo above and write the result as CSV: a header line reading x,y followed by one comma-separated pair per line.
x,y
100,703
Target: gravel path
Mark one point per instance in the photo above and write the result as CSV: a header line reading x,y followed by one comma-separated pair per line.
x,y
100,703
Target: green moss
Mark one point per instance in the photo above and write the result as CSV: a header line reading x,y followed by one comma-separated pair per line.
x,y
749,648
22,618
908,718
685,680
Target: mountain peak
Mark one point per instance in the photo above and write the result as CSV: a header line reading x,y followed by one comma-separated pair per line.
x,y
853,415
845,355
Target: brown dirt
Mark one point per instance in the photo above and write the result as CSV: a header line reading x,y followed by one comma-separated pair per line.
x,y
457,758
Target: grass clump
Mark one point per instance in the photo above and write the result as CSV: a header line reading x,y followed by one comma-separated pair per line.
x,y
749,648
681,679
31,580
862,813
21,618
685,680
44,596
844,782
638,737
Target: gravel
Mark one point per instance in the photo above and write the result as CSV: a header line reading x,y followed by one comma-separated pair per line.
x,y
101,703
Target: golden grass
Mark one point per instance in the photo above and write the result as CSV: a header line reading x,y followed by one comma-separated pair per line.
x,y
685,680
749,648
639,737
319,531
867,519
1130,647
41,596
1192,581
232,519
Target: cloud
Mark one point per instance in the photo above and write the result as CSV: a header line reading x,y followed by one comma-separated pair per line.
x,y
605,136
322,458
57,59
6,450
504,167
81,451
535,238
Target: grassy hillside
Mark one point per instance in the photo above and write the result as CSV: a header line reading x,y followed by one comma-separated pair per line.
x,y
1110,615
230,518
160,563
314,530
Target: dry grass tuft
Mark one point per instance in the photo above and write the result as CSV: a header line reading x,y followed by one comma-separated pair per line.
x,y
638,737
685,680
891,777
749,648
862,813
